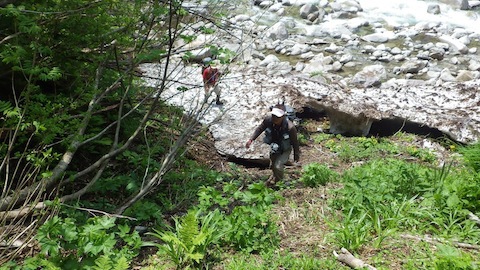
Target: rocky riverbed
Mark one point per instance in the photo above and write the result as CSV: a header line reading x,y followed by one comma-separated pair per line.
x,y
335,57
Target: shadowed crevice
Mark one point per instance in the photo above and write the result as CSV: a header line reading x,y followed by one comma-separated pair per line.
x,y
388,127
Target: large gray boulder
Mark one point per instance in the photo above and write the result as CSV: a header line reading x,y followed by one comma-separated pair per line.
x,y
452,108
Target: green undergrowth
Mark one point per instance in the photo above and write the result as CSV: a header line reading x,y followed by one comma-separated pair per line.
x,y
397,213
396,209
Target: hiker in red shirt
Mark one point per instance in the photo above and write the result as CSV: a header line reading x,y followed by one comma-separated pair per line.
x,y
211,77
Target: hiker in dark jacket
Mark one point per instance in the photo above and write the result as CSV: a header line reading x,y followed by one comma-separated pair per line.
x,y
281,135
211,76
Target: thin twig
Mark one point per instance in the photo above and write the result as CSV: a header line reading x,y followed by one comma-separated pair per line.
x,y
92,211
434,240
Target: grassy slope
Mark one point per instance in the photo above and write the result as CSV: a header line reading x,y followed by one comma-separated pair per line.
x,y
307,222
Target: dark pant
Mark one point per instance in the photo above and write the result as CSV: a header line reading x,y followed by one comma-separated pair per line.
x,y
277,164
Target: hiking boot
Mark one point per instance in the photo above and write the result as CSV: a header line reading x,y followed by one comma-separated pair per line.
x,y
270,182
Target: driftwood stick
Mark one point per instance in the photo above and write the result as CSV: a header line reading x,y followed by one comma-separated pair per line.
x,y
474,218
347,258
433,240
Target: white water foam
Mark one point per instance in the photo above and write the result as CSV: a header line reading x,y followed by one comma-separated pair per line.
x,y
410,12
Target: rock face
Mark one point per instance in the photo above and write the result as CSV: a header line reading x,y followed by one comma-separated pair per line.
x,y
249,92
426,73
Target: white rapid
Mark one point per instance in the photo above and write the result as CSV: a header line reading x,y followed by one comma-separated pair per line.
x,y
411,12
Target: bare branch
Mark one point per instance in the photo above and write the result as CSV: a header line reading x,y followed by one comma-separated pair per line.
x,y
93,212
433,240
474,218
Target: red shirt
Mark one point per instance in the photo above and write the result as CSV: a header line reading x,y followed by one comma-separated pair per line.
x,y
210,75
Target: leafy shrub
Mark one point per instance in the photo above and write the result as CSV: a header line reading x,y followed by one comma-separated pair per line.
x,y
145,211
358,148
302,139
247,214
453,190
422,154
315,174
385,195
253,229
366,190
188,243
98,244
383,180
319,138
451,258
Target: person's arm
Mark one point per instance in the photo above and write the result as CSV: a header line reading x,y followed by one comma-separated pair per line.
x,y
216,76
261,128
204,75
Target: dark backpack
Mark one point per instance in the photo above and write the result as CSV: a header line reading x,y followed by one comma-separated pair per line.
x,y
290,112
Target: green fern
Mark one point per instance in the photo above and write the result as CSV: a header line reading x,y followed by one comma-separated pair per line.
x,y
103,262
106,262
4,106
188,230
189,243
121,264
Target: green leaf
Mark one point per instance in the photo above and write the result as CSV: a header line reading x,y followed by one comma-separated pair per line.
x,y
196,257
121,264
107,222
103,263
4,106
453,201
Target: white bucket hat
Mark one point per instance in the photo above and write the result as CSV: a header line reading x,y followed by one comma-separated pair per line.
x,y
278,112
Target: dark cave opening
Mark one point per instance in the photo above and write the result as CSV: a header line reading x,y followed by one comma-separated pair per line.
x,y
388,127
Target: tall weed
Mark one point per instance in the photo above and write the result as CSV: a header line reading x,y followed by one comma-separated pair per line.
x,y
353,231
283,260
471,156
389,195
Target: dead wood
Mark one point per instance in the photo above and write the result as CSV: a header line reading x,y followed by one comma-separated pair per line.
x,y
474,218
434,240
347,258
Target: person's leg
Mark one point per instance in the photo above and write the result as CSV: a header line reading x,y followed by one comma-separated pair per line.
x,y
278,164
207,87
217,91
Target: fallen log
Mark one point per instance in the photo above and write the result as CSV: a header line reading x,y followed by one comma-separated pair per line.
x,y
347,258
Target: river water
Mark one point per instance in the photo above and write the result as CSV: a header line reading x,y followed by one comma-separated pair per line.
x,y
410,12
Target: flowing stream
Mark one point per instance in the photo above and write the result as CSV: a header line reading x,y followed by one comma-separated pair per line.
x,y
410,12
